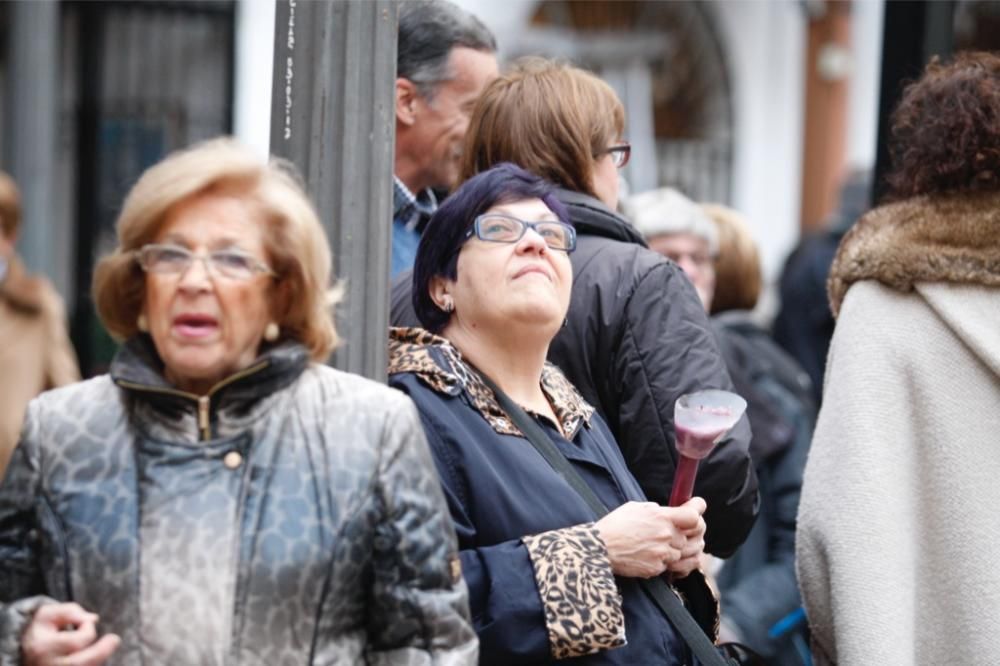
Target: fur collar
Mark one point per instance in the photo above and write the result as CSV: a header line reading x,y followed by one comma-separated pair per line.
x,y
924,239
441,367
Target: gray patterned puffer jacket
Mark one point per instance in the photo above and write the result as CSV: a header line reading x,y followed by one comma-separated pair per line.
x,y
292,517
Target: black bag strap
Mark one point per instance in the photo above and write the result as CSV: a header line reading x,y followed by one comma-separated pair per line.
x,y
656,588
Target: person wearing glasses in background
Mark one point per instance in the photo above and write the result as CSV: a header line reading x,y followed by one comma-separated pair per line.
x,y
221,496
547,579
636,337
761,607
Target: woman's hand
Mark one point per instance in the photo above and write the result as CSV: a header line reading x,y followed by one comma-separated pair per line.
x,y
694,532
65,635
645,539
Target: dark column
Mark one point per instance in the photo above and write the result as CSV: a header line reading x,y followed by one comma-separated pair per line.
x,y
913,32
333,116
88,169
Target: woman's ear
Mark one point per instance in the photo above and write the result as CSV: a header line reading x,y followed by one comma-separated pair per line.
x,y
141,319
440,292
282,295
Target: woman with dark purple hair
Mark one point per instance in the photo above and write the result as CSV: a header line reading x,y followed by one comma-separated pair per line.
x,y
548,577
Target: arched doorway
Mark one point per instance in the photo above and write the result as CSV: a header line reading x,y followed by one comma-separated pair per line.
x,y
666,62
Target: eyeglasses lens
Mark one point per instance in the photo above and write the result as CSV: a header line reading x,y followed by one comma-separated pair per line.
x,y
174,260
502,229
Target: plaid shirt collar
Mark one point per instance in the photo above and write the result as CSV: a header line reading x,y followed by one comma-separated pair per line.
x,y
409,208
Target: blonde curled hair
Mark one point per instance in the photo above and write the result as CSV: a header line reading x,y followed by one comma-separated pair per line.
x,y
294,239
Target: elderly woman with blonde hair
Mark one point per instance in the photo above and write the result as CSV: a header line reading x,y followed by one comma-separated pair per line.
x,y
221,496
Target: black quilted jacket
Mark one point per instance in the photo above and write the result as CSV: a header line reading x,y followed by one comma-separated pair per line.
x,y
636,339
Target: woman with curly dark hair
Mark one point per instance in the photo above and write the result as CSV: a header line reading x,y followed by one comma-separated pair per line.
x,y
897,529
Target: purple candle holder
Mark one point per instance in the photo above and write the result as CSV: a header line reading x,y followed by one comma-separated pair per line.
x,y
700,420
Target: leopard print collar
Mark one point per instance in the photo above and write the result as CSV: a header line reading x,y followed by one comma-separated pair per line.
x,y
440,365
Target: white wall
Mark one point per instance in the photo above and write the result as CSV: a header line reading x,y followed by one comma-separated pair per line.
x,y
254,56
863,87
764,44
508,17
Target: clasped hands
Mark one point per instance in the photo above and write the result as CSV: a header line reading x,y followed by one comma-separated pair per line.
x,y
645,539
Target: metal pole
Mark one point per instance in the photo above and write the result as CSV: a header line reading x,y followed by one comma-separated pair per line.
x,y
333,115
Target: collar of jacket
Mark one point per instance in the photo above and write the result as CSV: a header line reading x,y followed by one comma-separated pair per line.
x,y
592,218
924,239
441,367
138,369
20,289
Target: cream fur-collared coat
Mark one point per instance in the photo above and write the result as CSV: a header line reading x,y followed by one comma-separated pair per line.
x,y
899,525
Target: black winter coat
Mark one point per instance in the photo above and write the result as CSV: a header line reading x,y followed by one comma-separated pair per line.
x,y
636,339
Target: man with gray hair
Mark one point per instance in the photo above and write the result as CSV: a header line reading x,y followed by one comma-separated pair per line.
x,y
445,59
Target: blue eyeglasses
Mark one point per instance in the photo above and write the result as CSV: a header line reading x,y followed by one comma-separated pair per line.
x,y
501,228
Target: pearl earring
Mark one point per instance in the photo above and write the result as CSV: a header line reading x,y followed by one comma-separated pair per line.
x,y
142,324
271,332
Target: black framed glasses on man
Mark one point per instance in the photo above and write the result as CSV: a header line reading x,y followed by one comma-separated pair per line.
x,y
502,228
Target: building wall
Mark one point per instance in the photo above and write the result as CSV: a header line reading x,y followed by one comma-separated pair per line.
x,y
863,87
254,73
765,50
765,46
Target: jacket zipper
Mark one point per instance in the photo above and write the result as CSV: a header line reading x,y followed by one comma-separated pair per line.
x,y
204,420
204,402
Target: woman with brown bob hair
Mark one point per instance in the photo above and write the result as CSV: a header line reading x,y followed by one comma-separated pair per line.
x,y
738,276
220,496
636,337
904,570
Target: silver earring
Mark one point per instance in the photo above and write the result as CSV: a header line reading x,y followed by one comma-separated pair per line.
x,y
271,332
449,307
141,323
